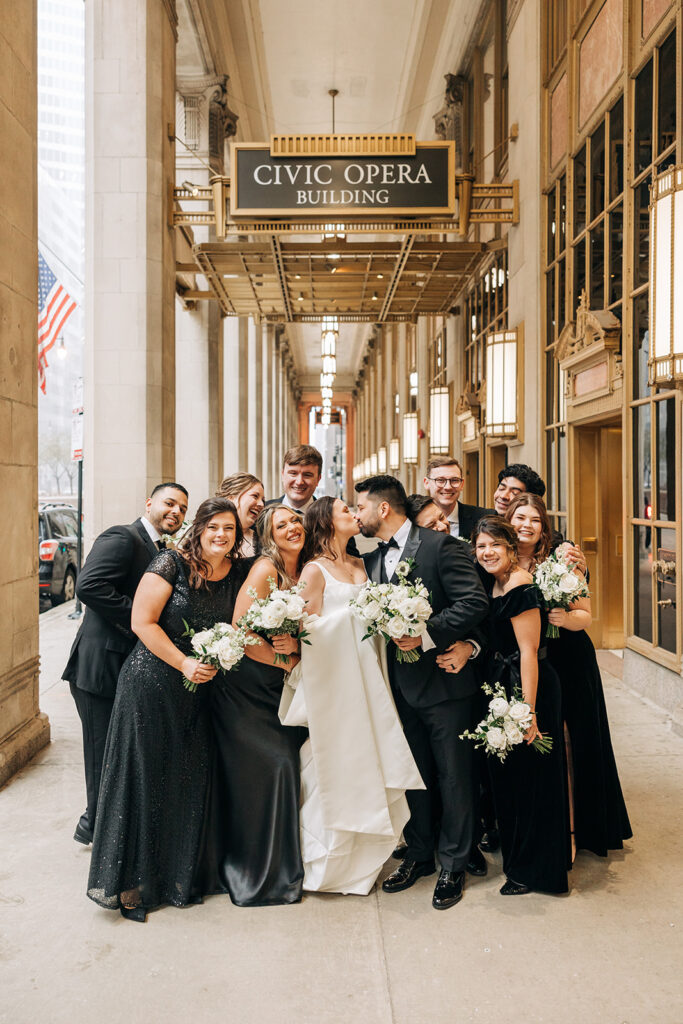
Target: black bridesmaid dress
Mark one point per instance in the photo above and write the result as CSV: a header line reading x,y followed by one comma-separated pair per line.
x,y
254,827
601,820
529,787
155,780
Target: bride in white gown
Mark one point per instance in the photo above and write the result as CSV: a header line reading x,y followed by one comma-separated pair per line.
x,y
356,764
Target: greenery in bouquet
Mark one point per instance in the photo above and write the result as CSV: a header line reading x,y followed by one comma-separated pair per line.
x,y
221,646
505,725
282,612
172,540
559,584
393,610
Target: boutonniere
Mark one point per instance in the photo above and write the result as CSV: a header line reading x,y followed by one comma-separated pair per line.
x,y
171,540
405,567
465,540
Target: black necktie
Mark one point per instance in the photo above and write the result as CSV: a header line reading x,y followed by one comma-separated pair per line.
x,y
383,548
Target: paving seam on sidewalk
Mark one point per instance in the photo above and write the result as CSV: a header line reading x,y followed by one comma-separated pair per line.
x,y
385,966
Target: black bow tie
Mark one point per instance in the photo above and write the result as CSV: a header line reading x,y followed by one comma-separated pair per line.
x,y
385,545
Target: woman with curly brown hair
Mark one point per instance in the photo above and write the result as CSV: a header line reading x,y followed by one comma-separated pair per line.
x,y
147,842
600,820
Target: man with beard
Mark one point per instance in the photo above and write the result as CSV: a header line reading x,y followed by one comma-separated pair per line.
x,y
106,586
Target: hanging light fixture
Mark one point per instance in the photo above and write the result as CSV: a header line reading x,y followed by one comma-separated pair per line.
x,y
381,460
325,419
410,437
501,384
665,362
328,343
326,380
327,403
394,453
439,420
326,392
329,364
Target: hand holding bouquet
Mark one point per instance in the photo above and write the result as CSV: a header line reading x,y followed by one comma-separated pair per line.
x,y
221,646
394,609
558,583
283,612
506,725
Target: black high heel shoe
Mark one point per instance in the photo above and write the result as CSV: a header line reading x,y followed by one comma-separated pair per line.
x,y
514,889
134,913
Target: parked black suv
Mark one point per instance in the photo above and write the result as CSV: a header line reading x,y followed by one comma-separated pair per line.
x,y
57,537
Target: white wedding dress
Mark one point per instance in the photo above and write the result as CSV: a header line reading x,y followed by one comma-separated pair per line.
x,y
356,764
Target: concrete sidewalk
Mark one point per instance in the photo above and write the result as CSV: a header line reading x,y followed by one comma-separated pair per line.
x,y
608,952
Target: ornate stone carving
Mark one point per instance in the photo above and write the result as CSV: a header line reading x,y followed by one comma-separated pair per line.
x,y
208,119
448,120
588,351
590,327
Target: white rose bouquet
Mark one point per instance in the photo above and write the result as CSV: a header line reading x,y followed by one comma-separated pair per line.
x,y
221,646
394,609
282,612
558,584
505,725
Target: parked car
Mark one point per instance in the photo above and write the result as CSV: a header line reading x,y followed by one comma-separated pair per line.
x,y
57,540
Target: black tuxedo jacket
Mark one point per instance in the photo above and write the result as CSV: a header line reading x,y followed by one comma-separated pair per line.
x,y
459,604
106,586
469,516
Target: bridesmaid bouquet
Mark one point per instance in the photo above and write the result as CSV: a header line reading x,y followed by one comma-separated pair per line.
x,y
282,612
558,584
221,646
505,725
394,609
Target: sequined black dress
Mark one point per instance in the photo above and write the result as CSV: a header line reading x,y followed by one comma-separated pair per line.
x,y
155,779
530,788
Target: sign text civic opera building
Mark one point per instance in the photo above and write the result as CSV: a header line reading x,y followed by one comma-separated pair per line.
x,y
264,185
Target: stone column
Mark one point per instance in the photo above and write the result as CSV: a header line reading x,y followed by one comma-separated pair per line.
x,y
422,396
129,367
235,386
389,354
23,729
267,340
403,391
253,420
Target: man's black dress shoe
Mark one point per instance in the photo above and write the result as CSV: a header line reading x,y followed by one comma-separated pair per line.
x,y
514,889
490,841
448,889
83,835
407,874
477,865
400,851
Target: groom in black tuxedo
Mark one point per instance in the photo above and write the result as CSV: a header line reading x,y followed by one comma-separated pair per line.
x,y
106,586
434,706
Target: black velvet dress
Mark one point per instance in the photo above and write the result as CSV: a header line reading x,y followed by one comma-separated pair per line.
x,y
155,779
254,830
530,788
600,817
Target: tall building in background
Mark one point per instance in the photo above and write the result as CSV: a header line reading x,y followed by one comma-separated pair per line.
x,y
61,222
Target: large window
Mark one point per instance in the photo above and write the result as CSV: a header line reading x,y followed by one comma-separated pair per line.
x,y
556,316
653,414
486,311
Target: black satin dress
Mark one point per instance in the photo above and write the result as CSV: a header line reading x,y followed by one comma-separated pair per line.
x,y
601,820
255,817
155,779
530,788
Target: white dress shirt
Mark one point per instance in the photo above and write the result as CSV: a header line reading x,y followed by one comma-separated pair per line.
x,y
151,530
393,557
302,509
454,522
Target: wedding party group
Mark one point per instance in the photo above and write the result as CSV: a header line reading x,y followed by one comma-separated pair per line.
x,y
267,713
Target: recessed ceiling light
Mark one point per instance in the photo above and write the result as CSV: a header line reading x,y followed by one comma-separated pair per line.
x,y
300,297
374,296
297,277
380,276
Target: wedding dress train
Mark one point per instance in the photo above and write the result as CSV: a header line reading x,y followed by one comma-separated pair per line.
x,y
356,764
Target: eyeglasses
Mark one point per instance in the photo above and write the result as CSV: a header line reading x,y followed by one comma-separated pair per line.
x,y
446,481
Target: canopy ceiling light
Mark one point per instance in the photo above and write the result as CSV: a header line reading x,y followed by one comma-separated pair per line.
x,y
329,364
381,460
410,437
439,420
501,384
665,361
394,453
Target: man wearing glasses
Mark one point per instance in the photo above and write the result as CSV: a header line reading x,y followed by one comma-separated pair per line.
x,y
444,483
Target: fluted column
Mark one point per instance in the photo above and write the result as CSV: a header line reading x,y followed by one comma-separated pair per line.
x,y
423,325
403,391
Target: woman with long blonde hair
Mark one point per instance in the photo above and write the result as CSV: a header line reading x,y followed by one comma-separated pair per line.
x,y
246,492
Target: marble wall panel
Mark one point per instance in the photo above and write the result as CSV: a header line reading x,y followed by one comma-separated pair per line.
x,y
653,10
559,125
600,57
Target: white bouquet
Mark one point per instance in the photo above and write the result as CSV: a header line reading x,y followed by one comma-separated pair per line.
x,y
282,612
558,583
172,540
221,646
394,609
505,725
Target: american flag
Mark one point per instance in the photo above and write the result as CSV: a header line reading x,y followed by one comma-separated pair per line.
x,y
55,306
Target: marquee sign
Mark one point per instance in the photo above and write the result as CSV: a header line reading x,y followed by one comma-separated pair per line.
x,y
264,185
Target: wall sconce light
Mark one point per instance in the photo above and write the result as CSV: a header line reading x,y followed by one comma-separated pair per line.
x,y
381,460
665,361
394,453
439,420
410,437
501,384
373,464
